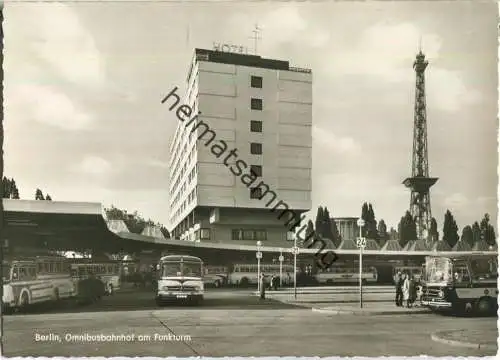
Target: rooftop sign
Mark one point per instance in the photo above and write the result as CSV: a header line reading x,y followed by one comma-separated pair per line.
x,y
230,48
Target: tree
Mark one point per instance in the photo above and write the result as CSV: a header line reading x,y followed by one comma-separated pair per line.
x,y
450,229
476,233
10,190
487,230
407,229
318,224
135,222
382,232
164,231
433,231
329,228
371,226
47,197
309,233
365,216
39,195
467,235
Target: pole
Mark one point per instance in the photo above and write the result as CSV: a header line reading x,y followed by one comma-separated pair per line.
x,y
360,270
295,267
281,269
258,274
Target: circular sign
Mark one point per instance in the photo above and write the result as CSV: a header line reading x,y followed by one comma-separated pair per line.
x,y
281,258
259,255
295,250
361,222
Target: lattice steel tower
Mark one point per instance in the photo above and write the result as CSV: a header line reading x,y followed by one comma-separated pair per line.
x,y
420,183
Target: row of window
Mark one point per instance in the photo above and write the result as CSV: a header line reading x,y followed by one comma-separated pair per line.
x,y
248,234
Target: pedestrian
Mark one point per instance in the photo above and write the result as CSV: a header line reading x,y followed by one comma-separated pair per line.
x,y
275,282
406,290
399,289
413,291
262,287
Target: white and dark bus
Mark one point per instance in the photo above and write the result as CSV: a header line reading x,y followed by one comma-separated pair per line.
x,y
461,283
180,278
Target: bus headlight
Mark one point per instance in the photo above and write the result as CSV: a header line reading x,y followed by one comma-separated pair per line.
x,y
441,294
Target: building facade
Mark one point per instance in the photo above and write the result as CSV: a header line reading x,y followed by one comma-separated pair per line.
x,y
240,166
348,227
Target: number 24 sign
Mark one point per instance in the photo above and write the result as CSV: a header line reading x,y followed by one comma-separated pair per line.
x,y
361,242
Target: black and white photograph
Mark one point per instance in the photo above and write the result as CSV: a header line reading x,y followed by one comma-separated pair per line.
x,y
249,178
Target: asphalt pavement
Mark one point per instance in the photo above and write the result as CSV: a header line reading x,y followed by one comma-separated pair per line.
x,y
231,323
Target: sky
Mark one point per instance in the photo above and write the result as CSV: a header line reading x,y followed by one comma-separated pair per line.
x,y
83,85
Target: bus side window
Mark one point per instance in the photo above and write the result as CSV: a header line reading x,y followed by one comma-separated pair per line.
x,y
39,268
32,272
23,274
15,273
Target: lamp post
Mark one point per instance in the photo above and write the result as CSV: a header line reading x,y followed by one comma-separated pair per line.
x,y
259,256
295,252
281,258
361,243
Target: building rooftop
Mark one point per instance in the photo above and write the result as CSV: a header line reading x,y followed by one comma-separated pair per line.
x,y
230,58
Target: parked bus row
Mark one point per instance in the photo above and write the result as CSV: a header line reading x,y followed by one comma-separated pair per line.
x,y
243,275
52,279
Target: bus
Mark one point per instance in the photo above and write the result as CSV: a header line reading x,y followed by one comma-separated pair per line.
x,y
346,273
461,283
216,276
36,280
106,271
180,278
247,274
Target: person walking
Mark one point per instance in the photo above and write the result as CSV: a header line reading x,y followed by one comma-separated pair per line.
x,y
262,287
406,290
413,291
399,289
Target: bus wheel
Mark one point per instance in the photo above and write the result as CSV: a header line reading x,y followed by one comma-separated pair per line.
x,y
244,282
483,306
24,302
217,283
364,282
329,282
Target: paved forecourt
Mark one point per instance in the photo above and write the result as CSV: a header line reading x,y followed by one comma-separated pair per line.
x,y
324,296
226,332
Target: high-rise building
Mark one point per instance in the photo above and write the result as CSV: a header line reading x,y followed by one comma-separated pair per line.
x,y
240,166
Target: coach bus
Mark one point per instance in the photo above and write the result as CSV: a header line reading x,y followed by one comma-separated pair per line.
x,y
36,280
180,278
247,274
346,273
107,271
461,283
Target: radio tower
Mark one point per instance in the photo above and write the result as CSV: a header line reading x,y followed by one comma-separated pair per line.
x,y
419,183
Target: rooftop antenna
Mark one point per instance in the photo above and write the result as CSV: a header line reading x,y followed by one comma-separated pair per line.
x,y
256,36
420,44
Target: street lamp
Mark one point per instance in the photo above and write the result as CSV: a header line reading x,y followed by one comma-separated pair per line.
x,y
361,243
259,256
295,252
281,258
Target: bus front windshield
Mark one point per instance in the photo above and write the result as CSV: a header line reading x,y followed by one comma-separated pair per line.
x,y
192,269
5,272
438,270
